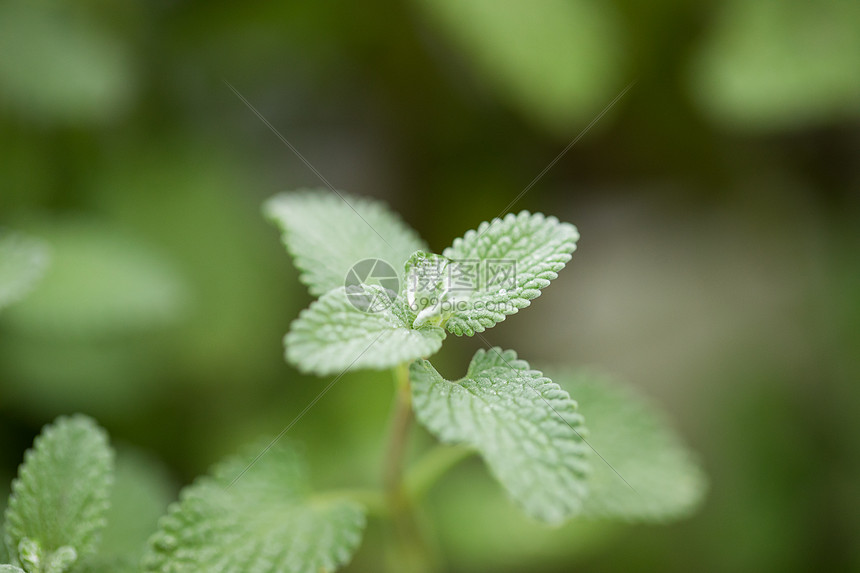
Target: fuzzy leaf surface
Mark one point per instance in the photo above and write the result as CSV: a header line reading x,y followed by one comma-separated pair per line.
x,y
266,522
512,416
60,499
327,234
333,335
533,246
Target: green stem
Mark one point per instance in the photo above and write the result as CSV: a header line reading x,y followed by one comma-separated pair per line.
x,y
426,472
411,551
371,499
398,437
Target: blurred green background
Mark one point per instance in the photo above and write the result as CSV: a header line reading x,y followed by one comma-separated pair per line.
x,y
718,271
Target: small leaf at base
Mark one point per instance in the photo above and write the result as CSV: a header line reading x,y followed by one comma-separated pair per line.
x,y
265,521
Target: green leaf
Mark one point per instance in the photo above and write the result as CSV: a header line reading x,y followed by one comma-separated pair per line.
x,y
632,436
557,59
327,234
10,569
525,427
335,335
266,521
100,282
59,500
58,62
769,64
22,263
534,247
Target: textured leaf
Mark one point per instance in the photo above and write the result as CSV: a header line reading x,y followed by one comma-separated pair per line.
x,y
327,234
556,59
633,436
334,335
59,500
10,569
22,264
513,416
266,522
535,247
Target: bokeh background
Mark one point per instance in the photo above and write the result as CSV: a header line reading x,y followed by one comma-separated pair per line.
x,y
718,202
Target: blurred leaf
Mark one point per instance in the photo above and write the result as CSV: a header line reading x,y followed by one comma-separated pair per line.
x,y
57,63
4,497
501,539
538,246
334,335
10,569
769,64
99,282
23,261
60,498
192,198
557,59
4,553
141,495
632,436
266,521
522,424
327,234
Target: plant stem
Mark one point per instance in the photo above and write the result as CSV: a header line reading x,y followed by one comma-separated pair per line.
x,y
410,553
371,499
433,465
398,435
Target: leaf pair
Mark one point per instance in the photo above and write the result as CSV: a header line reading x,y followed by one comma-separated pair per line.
x,y
489,274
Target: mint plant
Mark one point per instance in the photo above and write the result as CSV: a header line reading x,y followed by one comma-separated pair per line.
x,y
526,427
385,303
